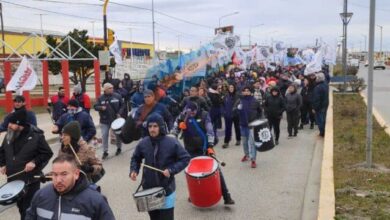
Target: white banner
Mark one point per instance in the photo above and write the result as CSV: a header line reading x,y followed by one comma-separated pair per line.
x,y
24,78
116,51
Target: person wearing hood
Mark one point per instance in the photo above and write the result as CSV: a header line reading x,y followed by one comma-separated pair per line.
x,y
231,117
249,110
215,111
274,107
69,195
25,150
162,152
198,137
283,83
137,99
293,106
71,138
76,113
82,98
320,102
19,104
307,114
58,103
127,82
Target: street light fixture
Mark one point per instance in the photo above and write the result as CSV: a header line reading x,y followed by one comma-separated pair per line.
x,y
224,16
346,18
250,30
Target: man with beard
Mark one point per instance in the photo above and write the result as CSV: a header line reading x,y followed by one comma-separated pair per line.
x,y
24,150
69,196
58,103
76,113
19,104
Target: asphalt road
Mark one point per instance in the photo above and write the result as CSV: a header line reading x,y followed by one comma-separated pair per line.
x,y
381,90
276,189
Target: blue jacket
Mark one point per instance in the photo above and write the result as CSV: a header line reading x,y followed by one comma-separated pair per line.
x,y
250,110
229,101
82,202
163,153
31,119
137,99
88,130
320,97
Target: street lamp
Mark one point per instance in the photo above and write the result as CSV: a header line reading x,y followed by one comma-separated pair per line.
x,y
224,16
250,29
105,27
380,45
346,18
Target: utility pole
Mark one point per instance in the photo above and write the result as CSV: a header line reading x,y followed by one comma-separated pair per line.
x,y
105,28
380,45
131,45
158,41
371,39
2,28
93,32
345,17
178,46
40,18
153,26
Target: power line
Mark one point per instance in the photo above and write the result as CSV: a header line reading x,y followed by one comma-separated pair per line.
x,y
70,3
71,15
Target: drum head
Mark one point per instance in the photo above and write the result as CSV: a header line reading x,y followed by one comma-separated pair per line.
x,y
201,166
118,124
258,122
263,138
147,192
10,190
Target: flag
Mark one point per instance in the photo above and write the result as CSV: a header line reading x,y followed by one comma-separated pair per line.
x,y
24,78
116,51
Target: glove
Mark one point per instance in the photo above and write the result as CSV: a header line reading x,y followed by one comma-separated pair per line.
x,y
87,168
210,151
182,125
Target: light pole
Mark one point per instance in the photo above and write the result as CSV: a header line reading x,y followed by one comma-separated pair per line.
x,y
380,44
250,29
2,28
365,42
93,32
40,18
153,26
131,45
224,16
345,17
178,46
158,41
105,27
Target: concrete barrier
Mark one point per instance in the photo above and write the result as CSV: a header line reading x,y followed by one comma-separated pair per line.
x,y
326,208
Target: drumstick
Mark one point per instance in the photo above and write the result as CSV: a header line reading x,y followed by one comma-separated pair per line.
x,y
49,177
152,168
15,174
74,152
215,158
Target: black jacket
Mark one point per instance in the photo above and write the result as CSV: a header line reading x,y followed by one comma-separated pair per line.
x,y
29,146
114,106
82,202
320,98
274,106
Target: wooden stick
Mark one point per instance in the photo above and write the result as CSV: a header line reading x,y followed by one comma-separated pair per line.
x,y
152,168
74,152
15,174
48,177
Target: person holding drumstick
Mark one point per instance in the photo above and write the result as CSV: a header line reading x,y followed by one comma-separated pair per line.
x,y
198,137
164,153
23,154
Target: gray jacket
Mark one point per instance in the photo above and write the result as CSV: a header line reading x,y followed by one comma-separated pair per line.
x,y
293,102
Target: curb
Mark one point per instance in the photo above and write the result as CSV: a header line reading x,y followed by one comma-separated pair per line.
x,y
377,115
326,208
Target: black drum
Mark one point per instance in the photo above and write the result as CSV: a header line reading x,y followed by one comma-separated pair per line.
x,y
11,192
262,135
130,132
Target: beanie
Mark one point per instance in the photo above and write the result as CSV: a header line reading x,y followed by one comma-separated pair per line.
x,y
19,117
19,98
73,130
74,103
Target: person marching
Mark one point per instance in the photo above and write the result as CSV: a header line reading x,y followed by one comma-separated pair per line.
x,y
19,104
198,137
24,151
230,117
274,107
72,144
58,103
293,106
249,109
162,152
82,98
69,196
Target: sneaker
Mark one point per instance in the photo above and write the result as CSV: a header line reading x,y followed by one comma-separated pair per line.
x,y
276,142
229,201
225,145
245,158
238,143
118,151
189,200
295,134
253,164
105,155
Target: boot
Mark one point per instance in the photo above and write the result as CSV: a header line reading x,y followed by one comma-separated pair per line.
x,y
312,126
105,155
300,127
238,143
276,142
118,151
225,145
228,200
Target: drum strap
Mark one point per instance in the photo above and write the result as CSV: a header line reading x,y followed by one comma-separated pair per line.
x,y
199,130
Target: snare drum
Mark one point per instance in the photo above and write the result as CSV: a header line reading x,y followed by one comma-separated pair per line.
x,y
262,135
117,125
149,199
11,192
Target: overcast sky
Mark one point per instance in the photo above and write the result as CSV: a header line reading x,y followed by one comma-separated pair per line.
x,y
296,22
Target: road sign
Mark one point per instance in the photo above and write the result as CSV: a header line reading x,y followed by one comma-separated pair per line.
x,y
104,57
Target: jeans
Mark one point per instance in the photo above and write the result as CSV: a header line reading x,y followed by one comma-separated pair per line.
x,y
105,135
248,142
229,122
320,120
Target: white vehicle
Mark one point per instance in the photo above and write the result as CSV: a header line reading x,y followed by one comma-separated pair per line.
x,y
354,62
379,65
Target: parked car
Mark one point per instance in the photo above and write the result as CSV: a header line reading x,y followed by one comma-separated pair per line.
x,y
379,65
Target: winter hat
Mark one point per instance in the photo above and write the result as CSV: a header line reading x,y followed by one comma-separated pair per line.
x,y
73,130
192,106
77,89
148,92
156,118
19,117
19,98
74,103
